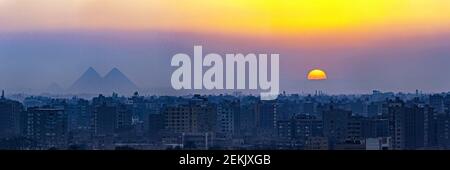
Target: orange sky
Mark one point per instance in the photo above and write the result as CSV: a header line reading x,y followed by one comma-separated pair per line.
x,y
269,17
361,44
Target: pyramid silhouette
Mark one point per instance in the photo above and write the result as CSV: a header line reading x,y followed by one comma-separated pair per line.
x,y
92,83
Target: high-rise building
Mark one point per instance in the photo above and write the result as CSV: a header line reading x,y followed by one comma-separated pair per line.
x,y
443,131
79,114
155,126
47,127
105,120
373,109
430,127
437,102
447,103
406,125
308,108
375,127
190,118
267,118
124,118
354,132
299,129
194,118
248,118
111,119
335,125
358,107
10,117
227,119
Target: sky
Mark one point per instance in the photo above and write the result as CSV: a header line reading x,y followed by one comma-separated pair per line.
x,y
390,45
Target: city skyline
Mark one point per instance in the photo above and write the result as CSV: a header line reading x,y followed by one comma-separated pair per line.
x,y
377,121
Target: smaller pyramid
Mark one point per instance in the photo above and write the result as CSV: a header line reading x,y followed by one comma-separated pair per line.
x,y
55,89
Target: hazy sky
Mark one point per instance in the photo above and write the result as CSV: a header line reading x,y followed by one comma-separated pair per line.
x,y
398,45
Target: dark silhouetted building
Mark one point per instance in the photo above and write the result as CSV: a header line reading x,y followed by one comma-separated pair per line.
x,y
295,132
335,125
47,127
406,125
10,117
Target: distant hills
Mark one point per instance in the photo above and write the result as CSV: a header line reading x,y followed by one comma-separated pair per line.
x,y
92,83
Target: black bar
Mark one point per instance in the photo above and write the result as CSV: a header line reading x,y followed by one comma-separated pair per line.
x,y
278,159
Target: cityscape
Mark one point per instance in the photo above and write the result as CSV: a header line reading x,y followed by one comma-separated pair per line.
x,y
377,121
191,75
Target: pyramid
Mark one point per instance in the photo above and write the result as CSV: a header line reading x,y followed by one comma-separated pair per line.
x,y
92,83
54,88
116,81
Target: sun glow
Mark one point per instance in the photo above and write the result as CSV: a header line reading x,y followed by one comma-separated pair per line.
x,y
317,74
267,17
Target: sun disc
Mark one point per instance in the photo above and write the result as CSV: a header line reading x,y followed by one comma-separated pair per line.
x,y
317,74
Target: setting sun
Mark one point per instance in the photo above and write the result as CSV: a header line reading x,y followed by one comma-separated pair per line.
x,y
317,74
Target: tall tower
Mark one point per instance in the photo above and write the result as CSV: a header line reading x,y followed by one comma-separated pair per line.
x,y
3,94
